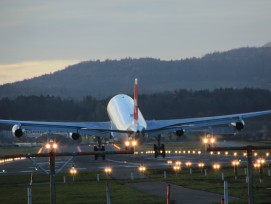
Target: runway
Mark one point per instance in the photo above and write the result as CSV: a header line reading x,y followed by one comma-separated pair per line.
x,y
131,162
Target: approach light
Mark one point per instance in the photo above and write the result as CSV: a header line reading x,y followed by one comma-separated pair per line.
x,y
178,163
54,145
134,142
261,161
257,165
127,143
48,146
212,140
51,145
216,166
188,164
107,170
142,169
235,162
201,165
169,162
176,168
73,171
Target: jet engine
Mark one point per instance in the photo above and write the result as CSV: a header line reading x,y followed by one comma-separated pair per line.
x,y
239,125
75,136
17,131
179,132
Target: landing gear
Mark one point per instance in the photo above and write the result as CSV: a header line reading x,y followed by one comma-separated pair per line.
x,y
159,149
99,148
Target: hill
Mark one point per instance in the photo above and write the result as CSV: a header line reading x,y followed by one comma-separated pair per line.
x,y
238,68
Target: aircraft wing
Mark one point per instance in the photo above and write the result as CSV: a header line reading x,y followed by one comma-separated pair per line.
x,y
101,129
155,127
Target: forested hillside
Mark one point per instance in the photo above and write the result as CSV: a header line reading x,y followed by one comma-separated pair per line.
x,y
239,68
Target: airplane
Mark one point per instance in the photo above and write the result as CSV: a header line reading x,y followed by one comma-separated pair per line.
x,y
126,119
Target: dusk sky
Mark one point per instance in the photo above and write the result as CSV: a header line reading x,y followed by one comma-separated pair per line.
x,y
40,37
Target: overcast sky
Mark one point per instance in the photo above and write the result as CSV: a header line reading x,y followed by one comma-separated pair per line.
x,y
44,36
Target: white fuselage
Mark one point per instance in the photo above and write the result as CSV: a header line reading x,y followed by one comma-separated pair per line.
x,y
120,110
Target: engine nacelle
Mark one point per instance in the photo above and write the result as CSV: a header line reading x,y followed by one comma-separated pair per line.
x,y
239,125
75,136
17,131
179,132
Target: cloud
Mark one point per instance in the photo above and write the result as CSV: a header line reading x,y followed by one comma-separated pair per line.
x,y
26,70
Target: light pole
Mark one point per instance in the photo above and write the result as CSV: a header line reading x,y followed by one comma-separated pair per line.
x,y
108,171
176,168
201,165
208,140
235,164
260,163
205,142
178,163
134,144
73,172
188,165
142,169
216,166
52,146
268,164
169,162
212,140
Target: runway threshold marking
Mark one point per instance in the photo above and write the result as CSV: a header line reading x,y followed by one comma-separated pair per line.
x,y
123,162
40,150
116,146
27,171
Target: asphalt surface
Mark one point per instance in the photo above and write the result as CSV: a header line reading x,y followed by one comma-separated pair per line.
x,y
131,162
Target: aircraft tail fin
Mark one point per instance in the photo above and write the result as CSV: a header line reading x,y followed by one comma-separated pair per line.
x,y
135,101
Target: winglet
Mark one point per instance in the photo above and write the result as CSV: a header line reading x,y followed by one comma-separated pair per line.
x,y
135,101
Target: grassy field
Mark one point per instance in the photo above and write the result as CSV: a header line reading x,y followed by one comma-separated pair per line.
x,y
18,150
86,189
213,182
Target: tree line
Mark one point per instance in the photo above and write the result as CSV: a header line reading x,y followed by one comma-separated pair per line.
x,y
164,105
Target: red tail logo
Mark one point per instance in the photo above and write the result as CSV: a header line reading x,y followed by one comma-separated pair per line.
x,y
135,101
